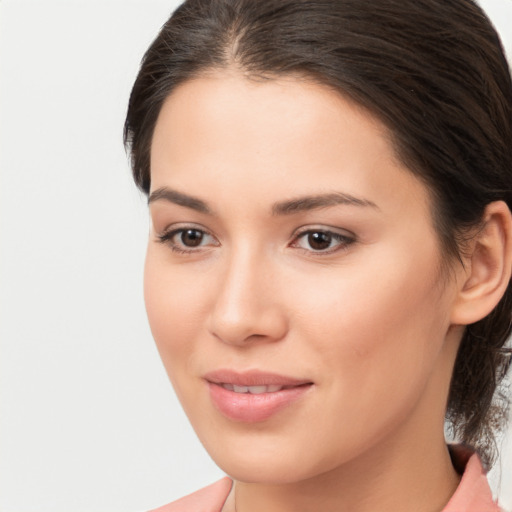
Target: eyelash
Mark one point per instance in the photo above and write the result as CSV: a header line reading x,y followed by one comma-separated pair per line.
x,y
343,240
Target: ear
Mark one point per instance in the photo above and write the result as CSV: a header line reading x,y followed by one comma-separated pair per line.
x,y
488,267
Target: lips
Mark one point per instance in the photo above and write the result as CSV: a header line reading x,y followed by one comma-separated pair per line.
x,y
253,396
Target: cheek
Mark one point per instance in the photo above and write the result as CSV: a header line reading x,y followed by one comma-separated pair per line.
x,y
172,308
380,327
377,338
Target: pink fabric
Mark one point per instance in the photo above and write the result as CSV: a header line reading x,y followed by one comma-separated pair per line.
x,y
208,499
472,495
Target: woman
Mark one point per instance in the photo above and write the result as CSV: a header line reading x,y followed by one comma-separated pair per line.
x,y
328,268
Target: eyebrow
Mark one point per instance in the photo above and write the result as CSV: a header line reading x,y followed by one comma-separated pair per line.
x,y
288,207
173,196
305,203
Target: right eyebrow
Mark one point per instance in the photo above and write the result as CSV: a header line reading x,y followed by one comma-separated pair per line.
x,y
173,196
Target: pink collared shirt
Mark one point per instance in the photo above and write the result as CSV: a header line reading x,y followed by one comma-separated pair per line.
x,y
472,495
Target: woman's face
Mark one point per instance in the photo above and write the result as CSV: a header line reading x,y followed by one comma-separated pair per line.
x,y
292,280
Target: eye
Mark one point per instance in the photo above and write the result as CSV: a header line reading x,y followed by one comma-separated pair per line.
x,y
191,237
187,239
322,241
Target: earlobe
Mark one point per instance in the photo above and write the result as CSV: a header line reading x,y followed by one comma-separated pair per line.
x,y
488,267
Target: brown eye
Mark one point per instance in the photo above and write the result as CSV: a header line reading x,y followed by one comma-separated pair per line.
x,y
319,241
322,241
191,237
187,240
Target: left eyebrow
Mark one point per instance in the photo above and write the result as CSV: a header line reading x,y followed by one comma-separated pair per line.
x,y
305,203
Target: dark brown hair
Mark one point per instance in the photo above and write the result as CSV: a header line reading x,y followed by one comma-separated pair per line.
x,y
433,71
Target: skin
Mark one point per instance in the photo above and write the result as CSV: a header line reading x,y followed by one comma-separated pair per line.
x,y
373,321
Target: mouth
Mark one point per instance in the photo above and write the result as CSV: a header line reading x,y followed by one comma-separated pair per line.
x,y
253,379
255,390
254,396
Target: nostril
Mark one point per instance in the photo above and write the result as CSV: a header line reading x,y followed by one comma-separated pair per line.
x,y
264,328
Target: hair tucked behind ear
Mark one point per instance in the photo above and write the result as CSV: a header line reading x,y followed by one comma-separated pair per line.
x,y
432,70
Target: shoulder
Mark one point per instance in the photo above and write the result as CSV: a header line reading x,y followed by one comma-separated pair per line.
x,y
207,499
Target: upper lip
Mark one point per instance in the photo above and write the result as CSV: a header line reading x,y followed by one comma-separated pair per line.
x,y
252,378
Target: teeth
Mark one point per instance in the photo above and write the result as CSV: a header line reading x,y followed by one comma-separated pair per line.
x,y
253,390
257,390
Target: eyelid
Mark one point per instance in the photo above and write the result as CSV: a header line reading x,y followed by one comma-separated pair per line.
x,y
177,226
323,229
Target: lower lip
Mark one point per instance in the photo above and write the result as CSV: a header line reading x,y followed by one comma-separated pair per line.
x,y
248,408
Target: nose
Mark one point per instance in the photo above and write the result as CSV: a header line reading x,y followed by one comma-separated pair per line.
x,y
246,307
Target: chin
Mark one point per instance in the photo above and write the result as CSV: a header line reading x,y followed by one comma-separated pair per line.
x,y
271,472
265,458
257,457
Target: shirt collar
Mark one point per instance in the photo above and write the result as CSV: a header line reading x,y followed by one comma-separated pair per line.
x,y
473,493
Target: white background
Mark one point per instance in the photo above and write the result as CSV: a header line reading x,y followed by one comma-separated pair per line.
x,y
88,420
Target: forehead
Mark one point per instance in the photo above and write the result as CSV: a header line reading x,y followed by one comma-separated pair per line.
x,y
259,107
275,137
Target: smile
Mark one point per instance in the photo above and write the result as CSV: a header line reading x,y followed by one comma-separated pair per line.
x,y
254,396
